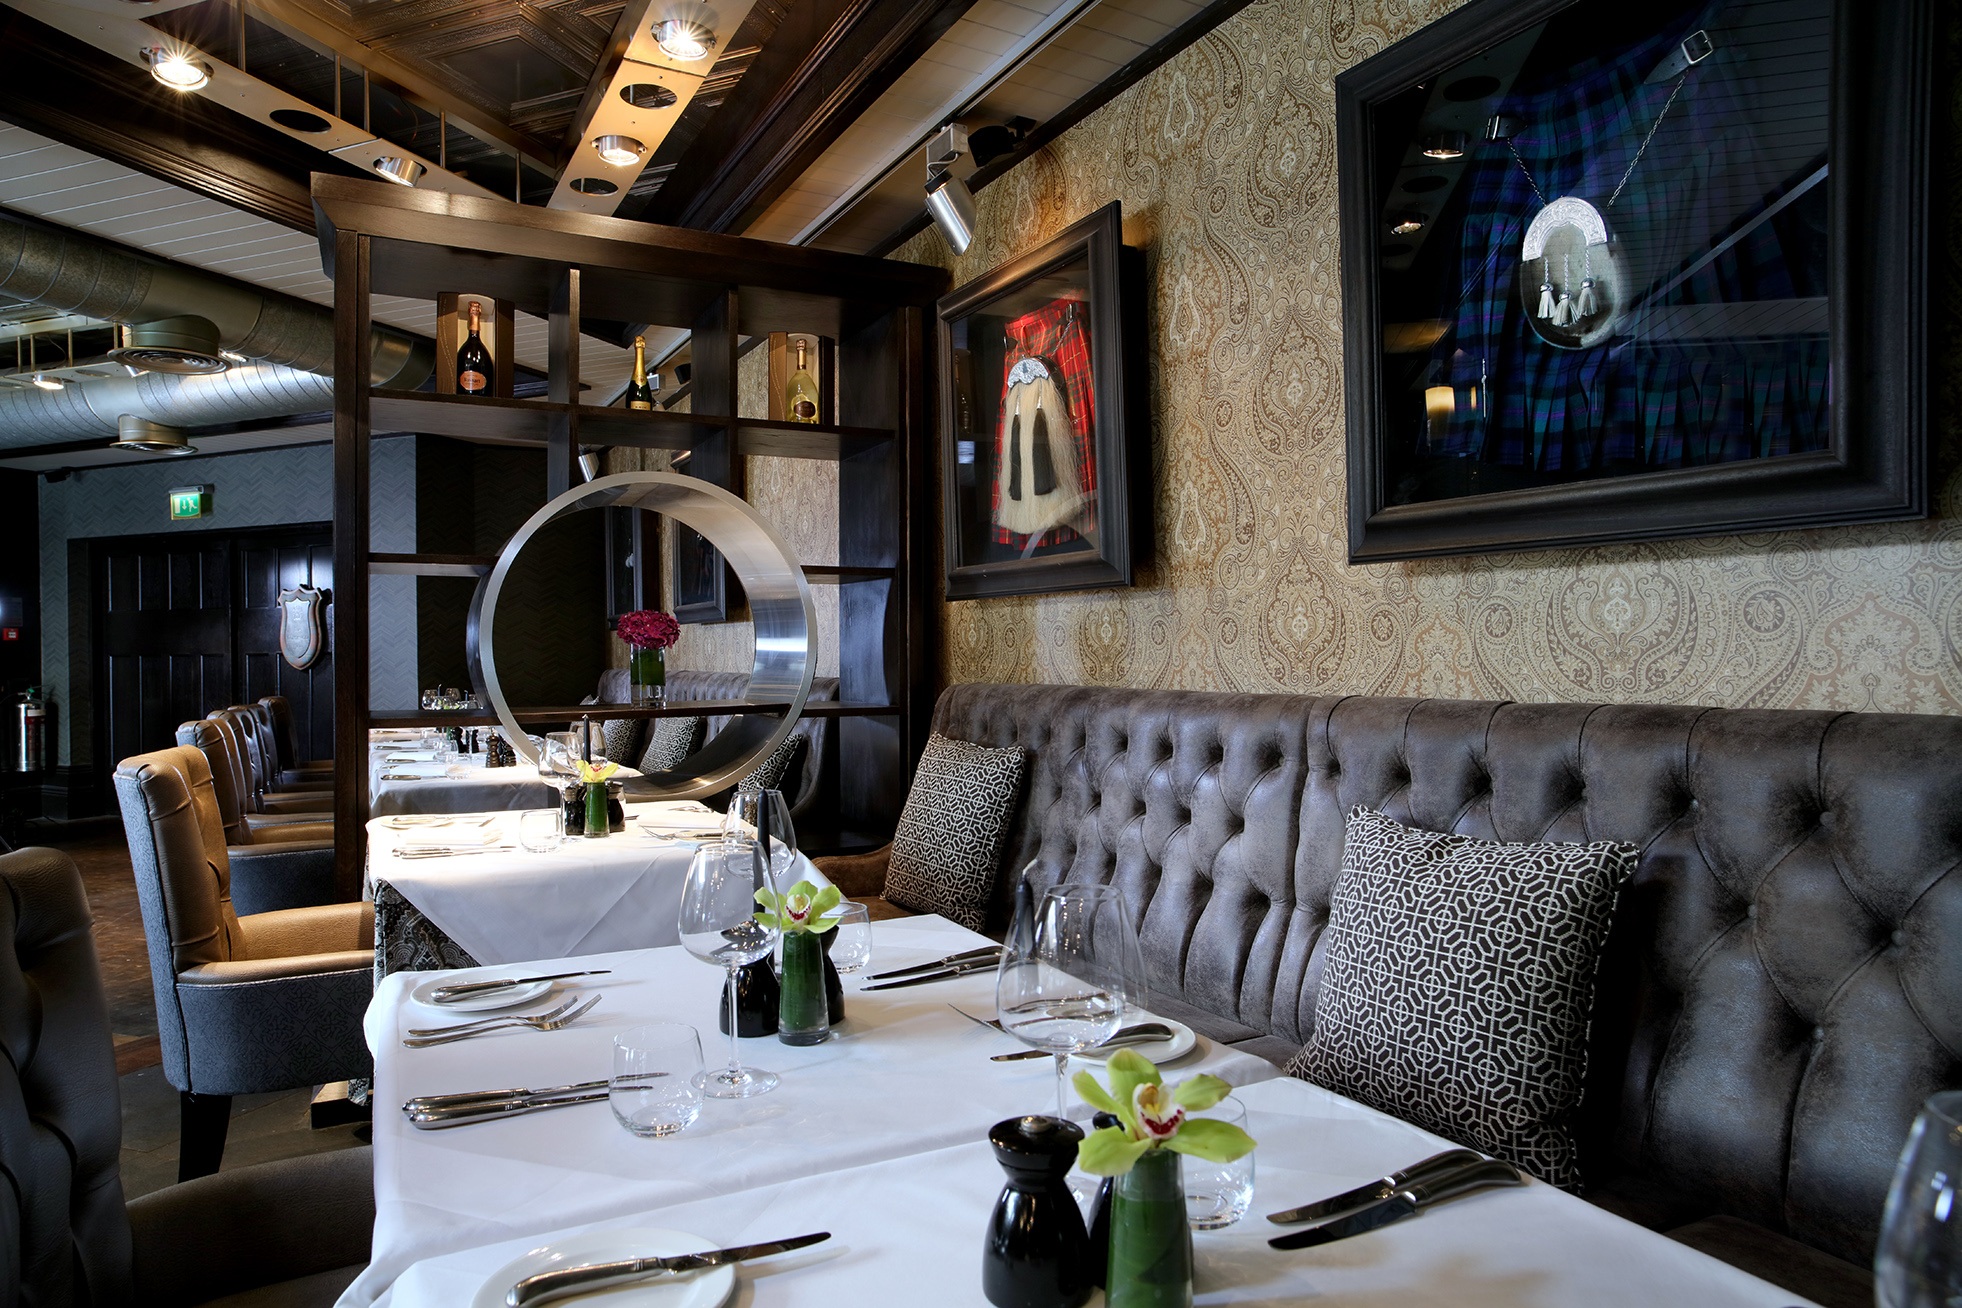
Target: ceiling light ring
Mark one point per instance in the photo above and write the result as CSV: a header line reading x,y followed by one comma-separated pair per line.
x,y
399,169
176,67
619,150
687,40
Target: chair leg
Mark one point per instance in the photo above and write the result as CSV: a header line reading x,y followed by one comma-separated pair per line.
x,y
202,1123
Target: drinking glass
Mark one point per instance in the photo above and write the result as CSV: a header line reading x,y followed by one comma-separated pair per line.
x,y
1063,987
1918,1263
718,925
541,829
744,820
851,947
656,1086
1219,1194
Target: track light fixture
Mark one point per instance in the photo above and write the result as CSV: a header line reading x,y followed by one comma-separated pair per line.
x,y
620,151
686,39
948,200
47,383
176,68
403,172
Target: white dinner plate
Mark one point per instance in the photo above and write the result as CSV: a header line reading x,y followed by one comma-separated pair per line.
x,y
1177,1045
696,1290
511,998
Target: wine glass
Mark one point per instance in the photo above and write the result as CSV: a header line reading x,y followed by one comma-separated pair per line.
x,y
1065,977
1918,1263
750,812
718,925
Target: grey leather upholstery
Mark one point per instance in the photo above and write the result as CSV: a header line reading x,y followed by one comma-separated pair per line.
x,y
66,1236
266,1001
1783,986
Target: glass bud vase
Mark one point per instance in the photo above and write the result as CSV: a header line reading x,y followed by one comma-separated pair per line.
x,y
598,823
803,1014
1150,1241
648,669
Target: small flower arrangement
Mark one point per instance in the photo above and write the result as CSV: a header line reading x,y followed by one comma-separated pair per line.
x,y
594,773
801,908
1151,1118
648,629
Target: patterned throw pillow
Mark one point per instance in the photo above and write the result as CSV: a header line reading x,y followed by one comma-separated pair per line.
x,y
671,741
622,738
950,833
1460,982
772,771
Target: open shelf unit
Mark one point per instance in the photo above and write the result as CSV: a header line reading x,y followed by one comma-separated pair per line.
x,y
571,268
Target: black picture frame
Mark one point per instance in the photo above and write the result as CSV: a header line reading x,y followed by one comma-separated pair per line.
x,y
698,578
633,557
1113,276
1875,465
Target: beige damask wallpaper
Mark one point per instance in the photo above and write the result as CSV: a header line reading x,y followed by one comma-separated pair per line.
x,y
1225,162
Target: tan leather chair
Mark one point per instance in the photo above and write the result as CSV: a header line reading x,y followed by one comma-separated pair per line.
x,y
289,1233
245,1004
293,769
220,748
261,793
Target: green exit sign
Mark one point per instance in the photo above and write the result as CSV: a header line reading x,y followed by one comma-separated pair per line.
x,y
190,502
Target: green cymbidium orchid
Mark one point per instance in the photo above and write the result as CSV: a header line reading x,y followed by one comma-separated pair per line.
x,y
594,773
802,908
1151,1118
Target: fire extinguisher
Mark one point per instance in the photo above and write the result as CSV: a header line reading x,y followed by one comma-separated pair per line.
x,y
30,735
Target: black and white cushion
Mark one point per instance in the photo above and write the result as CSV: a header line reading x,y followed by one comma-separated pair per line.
x,y
669,742
949,838
1459,985
622,736
770,773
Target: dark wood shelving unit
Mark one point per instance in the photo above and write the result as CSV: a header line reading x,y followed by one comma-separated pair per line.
x,y
568,267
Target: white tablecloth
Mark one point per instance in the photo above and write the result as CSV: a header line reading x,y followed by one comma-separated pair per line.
x,y
904,1075
909,1231
585,897
466,786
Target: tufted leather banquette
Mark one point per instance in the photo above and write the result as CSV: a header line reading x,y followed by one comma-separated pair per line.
x,y
1784,981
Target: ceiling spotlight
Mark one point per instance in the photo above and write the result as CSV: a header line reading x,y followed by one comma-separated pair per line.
x,y
47,383
684,38
620,151
176,69
952,207
1406,223
1444,145
403,172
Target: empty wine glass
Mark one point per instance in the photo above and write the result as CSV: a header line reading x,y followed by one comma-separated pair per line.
x,y
1068,968
718,925
1918,1263
750,812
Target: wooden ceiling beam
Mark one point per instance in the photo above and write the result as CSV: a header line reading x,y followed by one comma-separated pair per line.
x,y
826,65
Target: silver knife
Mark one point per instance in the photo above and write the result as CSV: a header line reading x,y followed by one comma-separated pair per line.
x,y
464,989
440,1117
945,974
1407,1200
568,1281
1144,1033
951,960
1335,1205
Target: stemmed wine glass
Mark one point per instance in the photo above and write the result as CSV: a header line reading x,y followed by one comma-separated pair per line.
x,y
751,813
1068,968
1918,1263
718,925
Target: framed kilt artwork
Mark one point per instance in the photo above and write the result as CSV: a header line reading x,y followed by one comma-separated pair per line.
x,y
1039,421
1627,272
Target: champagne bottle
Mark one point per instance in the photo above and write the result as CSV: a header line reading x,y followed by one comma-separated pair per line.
x,y
800,397
638,395
474,369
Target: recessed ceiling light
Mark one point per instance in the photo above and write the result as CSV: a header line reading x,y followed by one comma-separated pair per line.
x,y
594,186
1405,224
620,151
403,172
47,383
176,69
684,38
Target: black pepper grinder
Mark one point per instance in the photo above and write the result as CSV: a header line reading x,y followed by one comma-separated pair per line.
x,y
834,989
1097,1260
1036,1250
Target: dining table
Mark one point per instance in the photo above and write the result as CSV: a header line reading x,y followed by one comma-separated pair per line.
x,y
407,776
878,1136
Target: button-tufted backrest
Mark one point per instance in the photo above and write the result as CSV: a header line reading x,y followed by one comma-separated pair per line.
x,y
258,720
286,735
1782,989
685,685
251,751
220,751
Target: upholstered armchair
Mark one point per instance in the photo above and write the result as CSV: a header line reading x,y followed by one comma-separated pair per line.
x,y
221,752
293,770
245,1004
263,792
291,1233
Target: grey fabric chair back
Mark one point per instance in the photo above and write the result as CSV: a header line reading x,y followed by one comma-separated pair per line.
x,y
221,755
64,1234
183,880
1783,987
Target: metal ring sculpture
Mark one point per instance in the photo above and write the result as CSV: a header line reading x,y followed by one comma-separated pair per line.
x,y
779,603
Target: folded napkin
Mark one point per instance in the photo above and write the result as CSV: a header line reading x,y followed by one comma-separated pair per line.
x,y
451,837
679,816
410,756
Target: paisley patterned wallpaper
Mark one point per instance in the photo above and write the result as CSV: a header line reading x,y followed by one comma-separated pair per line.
x,y
1225,162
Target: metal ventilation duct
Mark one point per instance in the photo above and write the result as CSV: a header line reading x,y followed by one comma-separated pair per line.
x,y
244,393
187,345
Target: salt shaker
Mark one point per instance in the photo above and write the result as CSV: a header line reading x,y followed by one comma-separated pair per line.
x,y
1035,1256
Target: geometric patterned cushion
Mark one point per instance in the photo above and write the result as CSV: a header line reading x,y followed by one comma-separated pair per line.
x,y
671,741
950,833
1459,985
769,774
622,738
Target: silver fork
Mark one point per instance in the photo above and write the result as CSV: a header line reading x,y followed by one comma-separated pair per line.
x,y
535,1023
494,1020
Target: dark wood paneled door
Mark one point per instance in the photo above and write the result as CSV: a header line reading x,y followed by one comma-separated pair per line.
x,y
189,622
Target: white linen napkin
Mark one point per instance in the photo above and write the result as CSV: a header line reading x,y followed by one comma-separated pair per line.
x,y
451,837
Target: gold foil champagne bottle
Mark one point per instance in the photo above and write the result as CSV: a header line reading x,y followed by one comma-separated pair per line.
x,y
800,396
638,394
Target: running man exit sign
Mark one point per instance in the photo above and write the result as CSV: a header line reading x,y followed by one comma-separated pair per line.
x,y
190,502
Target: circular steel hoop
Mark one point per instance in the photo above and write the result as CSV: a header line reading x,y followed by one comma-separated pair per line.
x,y
779,604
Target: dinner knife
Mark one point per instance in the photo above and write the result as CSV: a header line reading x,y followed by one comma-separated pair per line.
x,y
1407,1200
465,989
568,1281
440,1117
1144,1033
1382,1188
946,974
970,956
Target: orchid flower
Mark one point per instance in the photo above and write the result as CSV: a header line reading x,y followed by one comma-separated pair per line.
x,y
1152,1117
801,908
594,773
